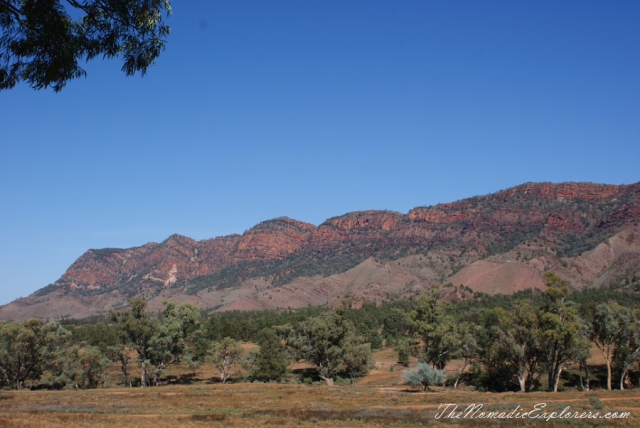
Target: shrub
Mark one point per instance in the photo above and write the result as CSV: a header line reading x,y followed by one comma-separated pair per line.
x,y
596,403
424,376
403,349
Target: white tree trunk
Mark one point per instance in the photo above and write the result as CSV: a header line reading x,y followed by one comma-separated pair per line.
x,y
556,380
623,376
522,381
328,380
143,378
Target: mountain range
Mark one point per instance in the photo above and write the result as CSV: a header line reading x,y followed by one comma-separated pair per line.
x,y
498,243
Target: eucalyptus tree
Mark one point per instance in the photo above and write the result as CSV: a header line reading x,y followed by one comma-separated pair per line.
x,y
358,360
581,358
610,321
562,333
516,343
165,346
81,366
120,354
430,324
627,352
43,42
136,328
159,342
467,348
225,355
330,342
28,348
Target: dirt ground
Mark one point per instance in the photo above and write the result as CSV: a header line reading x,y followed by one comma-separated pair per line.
x,y
379,399
288,405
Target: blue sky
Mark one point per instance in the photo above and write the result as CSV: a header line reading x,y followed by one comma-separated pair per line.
x,y
311,109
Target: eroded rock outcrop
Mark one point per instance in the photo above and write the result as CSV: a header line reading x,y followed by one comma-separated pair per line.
x,y
525,229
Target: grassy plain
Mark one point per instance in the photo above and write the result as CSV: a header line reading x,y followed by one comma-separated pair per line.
x,y
379,399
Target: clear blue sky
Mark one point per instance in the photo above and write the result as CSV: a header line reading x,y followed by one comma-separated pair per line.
x,y
311,109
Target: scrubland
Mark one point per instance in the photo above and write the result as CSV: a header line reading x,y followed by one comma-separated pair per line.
x,y
288,405
379,399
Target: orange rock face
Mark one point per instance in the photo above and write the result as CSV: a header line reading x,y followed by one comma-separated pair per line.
x,y
548,216
377,220
571,191
274,239
434,216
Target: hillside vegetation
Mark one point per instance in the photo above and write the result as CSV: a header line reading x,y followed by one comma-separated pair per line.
x,y
526,341
499,243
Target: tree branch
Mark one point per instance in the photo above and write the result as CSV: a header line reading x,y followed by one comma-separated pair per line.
x,y
6,6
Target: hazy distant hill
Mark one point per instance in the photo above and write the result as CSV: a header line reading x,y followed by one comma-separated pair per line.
x,y
498,243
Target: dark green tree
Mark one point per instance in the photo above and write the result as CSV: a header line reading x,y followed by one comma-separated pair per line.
x,y
43,41
167,344
326,342
515,344
99,334
404,349
430,323
358,361
136,328
28,348
395,324
271,361
80,366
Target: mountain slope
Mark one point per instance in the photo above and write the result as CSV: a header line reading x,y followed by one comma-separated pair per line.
x,y
496,243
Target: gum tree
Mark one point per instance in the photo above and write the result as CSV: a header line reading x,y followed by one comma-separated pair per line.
x,y
430,323
467,348
136,329
172,335
516,344
627,350
330,342
43,42
225,355
562,334
610,321
28,348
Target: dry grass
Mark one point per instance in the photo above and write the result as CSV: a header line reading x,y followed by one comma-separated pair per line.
x,y
379,399
247,404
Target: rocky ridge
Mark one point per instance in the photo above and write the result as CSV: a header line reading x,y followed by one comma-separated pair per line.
x,y
495,243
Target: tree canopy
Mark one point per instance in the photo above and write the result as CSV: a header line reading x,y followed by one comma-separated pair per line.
x,y
331,343
437,330
43,41
507,342
562,333
270,360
